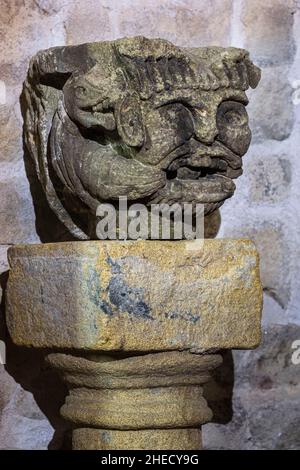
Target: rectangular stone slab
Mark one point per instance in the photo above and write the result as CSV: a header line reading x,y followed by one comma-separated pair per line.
x,y
135,295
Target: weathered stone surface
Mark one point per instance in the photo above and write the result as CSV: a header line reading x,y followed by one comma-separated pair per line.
x,y
29,26
76,295
266,420
137,118
155,408
270,178
266,411
10,133
161,392
109,372
3,258
275,257
272,425
22,424
212,224
163,439
17,218
7,389
28,418
273,120
22,28
270,366
186,22
91,23
269,30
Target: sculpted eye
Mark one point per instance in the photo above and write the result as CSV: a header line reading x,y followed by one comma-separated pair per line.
x,y
232,113
233,129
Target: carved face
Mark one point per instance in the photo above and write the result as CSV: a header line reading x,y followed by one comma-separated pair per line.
x,y
146,120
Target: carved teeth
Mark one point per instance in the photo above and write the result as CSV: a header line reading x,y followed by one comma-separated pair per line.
x,y
97,107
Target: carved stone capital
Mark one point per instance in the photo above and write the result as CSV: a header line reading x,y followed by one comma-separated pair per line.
x,y
139,118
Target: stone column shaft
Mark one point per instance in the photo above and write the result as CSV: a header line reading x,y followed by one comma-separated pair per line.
x,y
154,401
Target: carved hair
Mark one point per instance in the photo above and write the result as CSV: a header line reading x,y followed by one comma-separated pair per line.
x,y
150,71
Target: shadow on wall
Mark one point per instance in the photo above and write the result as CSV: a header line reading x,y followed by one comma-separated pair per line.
x,y
218,392
28,368
25,365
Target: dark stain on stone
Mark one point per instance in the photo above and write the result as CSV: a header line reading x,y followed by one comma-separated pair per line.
x,y
105,436
115,267
95,292
187,316
128,299
265,383
42,294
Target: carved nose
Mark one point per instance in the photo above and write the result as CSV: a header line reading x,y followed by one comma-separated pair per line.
x,y
209,133
206,132
205,127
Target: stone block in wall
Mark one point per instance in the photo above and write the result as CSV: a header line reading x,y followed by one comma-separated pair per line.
x,y
271,107
261,421
269,177
270,366
22,424
26,27
17,217
274,252
272,407
184,22
88,23
268,29
3,258
10,134
266,409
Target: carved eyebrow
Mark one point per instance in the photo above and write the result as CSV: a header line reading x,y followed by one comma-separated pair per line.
x,y
163,101
235,95
227,95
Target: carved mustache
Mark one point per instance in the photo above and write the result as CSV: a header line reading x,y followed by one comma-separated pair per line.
x,y
216,157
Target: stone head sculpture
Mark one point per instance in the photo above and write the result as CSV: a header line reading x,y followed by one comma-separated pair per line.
x,y
139,118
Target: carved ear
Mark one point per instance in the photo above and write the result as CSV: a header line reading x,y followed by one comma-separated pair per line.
x,y
129,121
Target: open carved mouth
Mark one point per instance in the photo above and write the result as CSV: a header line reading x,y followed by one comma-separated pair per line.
x,y
204,176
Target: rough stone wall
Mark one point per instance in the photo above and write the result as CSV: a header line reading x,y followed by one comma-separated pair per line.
x,y
262,386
